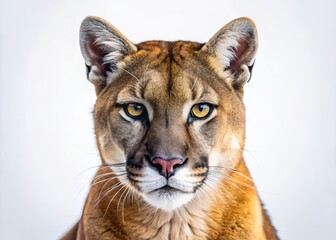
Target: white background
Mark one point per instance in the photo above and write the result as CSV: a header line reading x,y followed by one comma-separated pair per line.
x,y
46,129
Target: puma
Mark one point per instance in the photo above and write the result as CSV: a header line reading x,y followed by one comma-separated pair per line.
x,y
170,128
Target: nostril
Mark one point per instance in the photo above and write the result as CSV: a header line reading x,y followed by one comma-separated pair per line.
x,y
157,166
166,166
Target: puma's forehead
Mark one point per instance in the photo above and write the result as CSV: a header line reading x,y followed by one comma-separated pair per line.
x,y
168,52
154,85
159,70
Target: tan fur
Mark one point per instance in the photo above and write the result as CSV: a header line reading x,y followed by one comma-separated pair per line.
x,y
168,78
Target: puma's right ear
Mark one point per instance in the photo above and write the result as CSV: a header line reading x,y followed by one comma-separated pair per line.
x,y
103,48
233,49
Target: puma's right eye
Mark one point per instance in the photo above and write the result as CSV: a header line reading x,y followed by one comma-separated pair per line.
x,y
134,110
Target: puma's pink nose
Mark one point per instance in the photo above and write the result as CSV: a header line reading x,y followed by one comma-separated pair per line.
x,y
166,166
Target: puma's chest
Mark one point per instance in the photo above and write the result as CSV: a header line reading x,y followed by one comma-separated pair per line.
x,y
183,224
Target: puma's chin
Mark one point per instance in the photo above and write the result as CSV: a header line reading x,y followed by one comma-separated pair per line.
x,y
168,199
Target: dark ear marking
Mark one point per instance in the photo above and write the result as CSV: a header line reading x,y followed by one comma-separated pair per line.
x,y
88,70
250,68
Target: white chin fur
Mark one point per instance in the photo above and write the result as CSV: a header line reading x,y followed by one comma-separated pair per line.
x,y
167,201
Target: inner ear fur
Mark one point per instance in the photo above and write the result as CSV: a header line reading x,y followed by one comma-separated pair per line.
x,y
233,49
104,49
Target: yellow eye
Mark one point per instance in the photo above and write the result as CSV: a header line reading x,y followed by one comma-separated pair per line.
x,y
134,109
201,110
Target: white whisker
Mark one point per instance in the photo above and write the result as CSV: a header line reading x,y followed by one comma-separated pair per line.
x,y
110,190
124,185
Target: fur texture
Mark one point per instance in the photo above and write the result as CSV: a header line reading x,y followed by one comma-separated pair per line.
x,y
145,121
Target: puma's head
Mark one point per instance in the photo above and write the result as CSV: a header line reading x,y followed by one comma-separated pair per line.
x,y
170,115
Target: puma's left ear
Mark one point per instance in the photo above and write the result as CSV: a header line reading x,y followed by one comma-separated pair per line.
x,y
233,49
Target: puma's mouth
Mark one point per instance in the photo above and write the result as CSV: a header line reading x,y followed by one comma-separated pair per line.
x,y
167,188
166,191
166,182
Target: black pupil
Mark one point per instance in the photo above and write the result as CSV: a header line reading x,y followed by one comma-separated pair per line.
x,y
137,107
202,107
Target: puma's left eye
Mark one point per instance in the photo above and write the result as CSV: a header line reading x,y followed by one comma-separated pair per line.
x,y
134,110
201,110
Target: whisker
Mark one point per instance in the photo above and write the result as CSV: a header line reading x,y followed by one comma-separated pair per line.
x,y
109,190
89,168
100,181
241,174
110,173
232,170
132,197
214,191
226,192
250,153
235,185
107,179
123,164
112,199
233,179
91,182
133,76
120,197
106,174
123,205
95,180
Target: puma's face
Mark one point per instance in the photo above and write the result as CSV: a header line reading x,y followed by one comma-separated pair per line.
x,y
169,115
